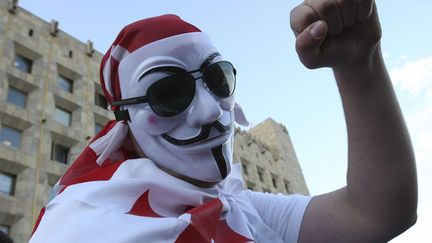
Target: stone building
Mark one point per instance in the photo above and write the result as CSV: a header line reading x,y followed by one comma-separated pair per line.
x,y
51,104
268,159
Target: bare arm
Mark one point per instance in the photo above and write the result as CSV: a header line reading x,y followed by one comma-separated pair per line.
x,y
380,199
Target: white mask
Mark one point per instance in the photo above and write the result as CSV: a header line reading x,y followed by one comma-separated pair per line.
x,y
197,143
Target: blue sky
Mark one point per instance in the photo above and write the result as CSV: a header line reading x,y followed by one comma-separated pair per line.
x,y
256,37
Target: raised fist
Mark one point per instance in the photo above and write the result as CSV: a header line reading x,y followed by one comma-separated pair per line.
x,y
335,33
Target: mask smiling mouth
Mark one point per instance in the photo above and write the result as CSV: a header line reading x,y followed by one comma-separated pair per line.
x,y
202,136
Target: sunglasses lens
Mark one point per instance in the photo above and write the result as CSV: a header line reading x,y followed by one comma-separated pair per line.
x,y
220,78
171,95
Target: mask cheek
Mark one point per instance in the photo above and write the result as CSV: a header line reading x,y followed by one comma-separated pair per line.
x,y
150,123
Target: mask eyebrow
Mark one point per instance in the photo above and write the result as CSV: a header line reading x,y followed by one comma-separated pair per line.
x,y
170,69
177,70
208,61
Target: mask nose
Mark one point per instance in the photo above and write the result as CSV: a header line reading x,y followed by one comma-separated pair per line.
x,y
205,109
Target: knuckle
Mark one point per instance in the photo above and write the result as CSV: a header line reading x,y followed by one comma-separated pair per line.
x,y
301,17
329,11
293,12
309,2
309,17
348,11
293,18
326,7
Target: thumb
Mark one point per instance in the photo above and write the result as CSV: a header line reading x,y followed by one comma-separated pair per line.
x,y
308,44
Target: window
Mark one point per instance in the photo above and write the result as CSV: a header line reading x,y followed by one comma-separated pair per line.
x,y
23,63
17,97
98,127
62,116
287,187
274,182
260,174
244,163
10,136
65,84
244,168
100,100
5,229
7,183
60,153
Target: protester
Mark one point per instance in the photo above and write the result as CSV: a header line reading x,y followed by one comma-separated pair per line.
x,y
163,170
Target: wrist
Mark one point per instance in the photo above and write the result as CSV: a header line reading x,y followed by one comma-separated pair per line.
x,y
368,76
368,62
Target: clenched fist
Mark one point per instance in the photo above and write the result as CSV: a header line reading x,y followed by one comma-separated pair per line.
x,y
335,33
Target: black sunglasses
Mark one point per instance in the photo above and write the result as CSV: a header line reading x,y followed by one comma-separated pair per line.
x,y
173,94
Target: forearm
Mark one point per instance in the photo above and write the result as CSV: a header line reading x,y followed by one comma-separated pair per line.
x,y
381,166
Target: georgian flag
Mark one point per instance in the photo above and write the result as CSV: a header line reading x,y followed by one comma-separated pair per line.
x,y
132,200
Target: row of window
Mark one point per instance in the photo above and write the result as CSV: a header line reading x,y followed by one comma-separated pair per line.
x,y
19,98
25,65
256,154
251,186
260,172
64,83
63,116
12,137
7,187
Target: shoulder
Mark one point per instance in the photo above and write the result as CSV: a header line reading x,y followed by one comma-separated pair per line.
x,y
262,198
282,213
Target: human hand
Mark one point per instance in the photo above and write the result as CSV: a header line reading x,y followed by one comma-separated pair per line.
x,y
336,33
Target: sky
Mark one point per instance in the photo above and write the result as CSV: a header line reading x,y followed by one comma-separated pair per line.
x,y
255,36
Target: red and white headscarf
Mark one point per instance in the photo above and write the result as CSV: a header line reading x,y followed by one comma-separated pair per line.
x,y
131,38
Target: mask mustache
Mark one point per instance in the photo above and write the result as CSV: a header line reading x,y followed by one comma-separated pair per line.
x,y
203,135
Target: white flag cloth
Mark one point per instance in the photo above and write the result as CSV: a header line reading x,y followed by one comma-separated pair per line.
x,y
141,203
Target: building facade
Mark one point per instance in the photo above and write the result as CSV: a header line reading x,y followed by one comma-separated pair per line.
x,y
268,159
51,105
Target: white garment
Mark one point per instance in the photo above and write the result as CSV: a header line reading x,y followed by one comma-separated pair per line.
x,y
99,211
281,213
